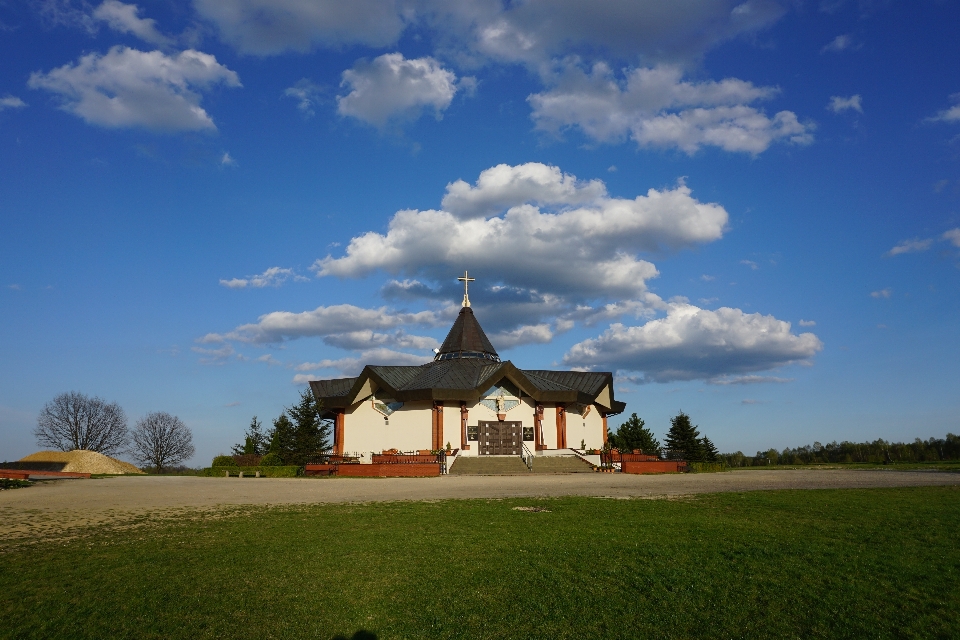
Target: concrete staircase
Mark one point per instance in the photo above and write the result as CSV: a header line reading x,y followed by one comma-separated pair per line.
x,y
560,464
489,466
513,465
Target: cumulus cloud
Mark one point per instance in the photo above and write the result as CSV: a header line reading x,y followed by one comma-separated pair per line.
x,y
392,86
656,107
728,380
691,343
131,88
807,323
11,102
952,236
910,246
329,321
125,18
948,115
272,277
882,293
266,27
527,334
578,250
307,94
839,104
352,366
532,32
840,43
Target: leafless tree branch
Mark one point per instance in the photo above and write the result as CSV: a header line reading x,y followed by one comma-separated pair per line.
x,y
75,421
161,440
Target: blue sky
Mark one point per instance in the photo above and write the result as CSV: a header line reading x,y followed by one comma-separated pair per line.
x,y
750,211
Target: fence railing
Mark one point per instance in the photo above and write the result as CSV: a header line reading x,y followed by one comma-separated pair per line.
x,y
527,456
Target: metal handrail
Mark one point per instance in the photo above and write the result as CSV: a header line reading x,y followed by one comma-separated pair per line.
x,y
527,456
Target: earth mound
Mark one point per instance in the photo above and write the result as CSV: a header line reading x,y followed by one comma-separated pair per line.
x,y
81,461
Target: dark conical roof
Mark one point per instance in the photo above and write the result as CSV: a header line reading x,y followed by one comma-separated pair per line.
x,y
467,340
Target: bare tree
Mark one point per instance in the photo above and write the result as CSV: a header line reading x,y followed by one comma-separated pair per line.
x,y
75,421
161,440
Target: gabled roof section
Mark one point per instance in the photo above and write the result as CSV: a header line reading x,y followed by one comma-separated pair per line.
x,y
467,340
464,379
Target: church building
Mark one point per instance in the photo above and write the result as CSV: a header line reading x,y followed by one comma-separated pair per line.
x,y
467,399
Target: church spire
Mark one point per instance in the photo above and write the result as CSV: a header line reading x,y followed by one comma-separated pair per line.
x,y
466,338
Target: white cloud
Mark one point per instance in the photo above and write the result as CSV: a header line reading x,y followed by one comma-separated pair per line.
x,y
882,293
392,86
527,334
839,104
227,160
130,88
807,323
214,356
728,380
948,115
125,18
840,43
656,107
708,278
368,339
584,251
265,27
321,322
952,236
692,343
750,263
533,32
503,186
272,277
353,366
910,246
307,94
11,102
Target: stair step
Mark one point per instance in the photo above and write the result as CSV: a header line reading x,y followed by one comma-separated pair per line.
x,y
508,466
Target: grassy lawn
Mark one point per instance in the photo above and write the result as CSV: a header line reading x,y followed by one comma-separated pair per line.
x,y
831,563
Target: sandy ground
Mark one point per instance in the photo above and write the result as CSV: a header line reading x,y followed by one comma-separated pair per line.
x,y
55,508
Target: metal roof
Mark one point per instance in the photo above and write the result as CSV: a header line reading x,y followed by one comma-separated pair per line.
x,y
467,340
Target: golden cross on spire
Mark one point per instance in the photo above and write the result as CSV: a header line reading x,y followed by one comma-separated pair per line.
x,y
466,280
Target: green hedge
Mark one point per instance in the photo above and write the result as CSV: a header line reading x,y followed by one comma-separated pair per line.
x,y
265,472
707,467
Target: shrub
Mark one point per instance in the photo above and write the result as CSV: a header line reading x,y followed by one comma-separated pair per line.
x,y
249,472
707,467
13,483
224,461
271,460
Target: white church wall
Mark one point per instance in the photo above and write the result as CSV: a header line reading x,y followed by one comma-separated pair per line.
x,y
409,428
451,425
588,429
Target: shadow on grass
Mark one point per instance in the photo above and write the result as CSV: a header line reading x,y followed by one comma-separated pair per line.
x,y
359,635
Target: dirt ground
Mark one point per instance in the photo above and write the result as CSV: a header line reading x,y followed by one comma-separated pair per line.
x,y
53,509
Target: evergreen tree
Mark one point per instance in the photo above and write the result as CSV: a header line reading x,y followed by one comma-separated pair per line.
x,y
633,434
710,451
683,439
311,435
254,441
282,439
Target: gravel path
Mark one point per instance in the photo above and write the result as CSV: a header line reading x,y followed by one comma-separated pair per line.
x,y
54,508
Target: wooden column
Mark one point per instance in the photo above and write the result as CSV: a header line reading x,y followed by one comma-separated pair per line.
x,y
561,426
463,426
437,425
604,416
338,432
538,428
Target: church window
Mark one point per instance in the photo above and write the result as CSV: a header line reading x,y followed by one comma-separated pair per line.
x,y
501,397
385,406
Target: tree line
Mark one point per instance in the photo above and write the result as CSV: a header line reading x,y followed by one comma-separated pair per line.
x,y
878,451
682,442
73,420
298,434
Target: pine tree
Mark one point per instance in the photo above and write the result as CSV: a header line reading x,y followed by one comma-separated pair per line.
x,y
633,434
254,440
282,439
710,452
311,435
683,439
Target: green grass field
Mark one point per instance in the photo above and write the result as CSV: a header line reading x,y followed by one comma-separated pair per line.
x,y
832,563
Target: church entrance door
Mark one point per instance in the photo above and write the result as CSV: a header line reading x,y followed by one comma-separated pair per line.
x,y
500,438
